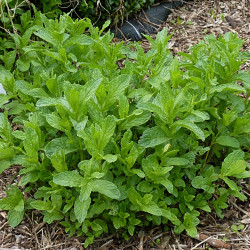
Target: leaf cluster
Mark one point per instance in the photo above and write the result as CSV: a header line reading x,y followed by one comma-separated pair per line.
x,y
105,148
114,10
13,12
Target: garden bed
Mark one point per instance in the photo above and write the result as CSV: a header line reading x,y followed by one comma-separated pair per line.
x,y
189,24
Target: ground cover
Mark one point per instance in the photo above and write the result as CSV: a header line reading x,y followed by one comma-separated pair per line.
x,y
44,236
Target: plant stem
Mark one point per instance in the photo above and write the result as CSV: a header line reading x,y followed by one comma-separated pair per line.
x,y
211,145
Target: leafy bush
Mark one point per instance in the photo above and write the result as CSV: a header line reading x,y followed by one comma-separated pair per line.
x,y
152,142
115,10
10,11
98,11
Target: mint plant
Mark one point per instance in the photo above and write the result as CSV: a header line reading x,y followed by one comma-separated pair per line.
x,y
103,147
15,204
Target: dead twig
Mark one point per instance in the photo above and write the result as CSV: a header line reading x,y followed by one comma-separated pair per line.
x,y
141,235
211,241
239,208
104,246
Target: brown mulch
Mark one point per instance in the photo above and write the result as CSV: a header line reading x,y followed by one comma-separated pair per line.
x,y
189,25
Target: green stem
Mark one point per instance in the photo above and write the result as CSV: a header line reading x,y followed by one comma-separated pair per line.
x,y
211,145
100,166
246,100
81,149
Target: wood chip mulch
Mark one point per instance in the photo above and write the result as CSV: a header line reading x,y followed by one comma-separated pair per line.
x,y
189,25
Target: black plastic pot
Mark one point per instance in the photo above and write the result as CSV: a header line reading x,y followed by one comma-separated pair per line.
x,y
147,21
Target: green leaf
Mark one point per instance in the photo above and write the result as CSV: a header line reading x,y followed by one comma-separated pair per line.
x,y
41,205
90,87
241,125
53,86
9,59
154,108
5,129
15,217
85,191
58,162
7,154
123,106
197,182
228,141
152,137
89,241
213,112
107,188
68,179
8,82
110,158
46,102
191,126
154,170
58,144
134,196
138,172
167,184
19,134
30,177
14,200
20,206
245,174
179,183
3,97
81,209
233,164
175,73
132,223
227,87
170,216
228,117
56,200
79,39
97,137
6,204
192,231
146,204
49,217
201,114
243,76
4,165
80,125
137,118
233,186
152,208
95,226
144,187
116,87
179,228
49,37
190,222
23,63
175,161
55,121
119,222
29,89
126,143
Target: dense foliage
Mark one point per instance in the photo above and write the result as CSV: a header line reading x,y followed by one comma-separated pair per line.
x,y
152,142
98,12
115,10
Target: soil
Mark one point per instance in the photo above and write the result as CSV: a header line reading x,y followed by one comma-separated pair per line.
x,y
189,25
